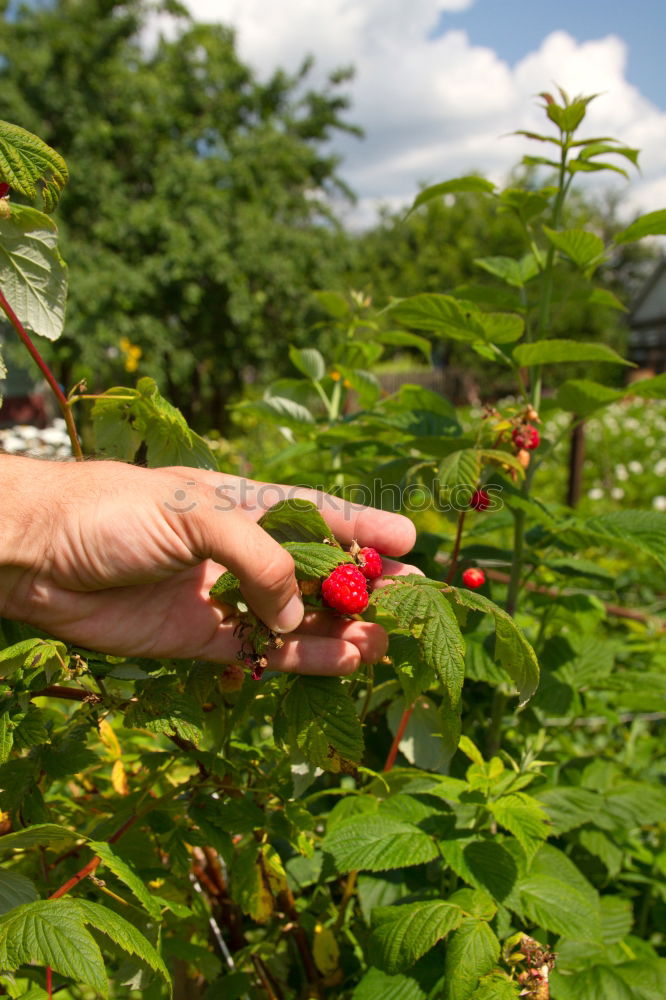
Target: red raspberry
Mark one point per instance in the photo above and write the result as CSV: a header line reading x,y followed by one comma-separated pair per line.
x,y
345,589
231,678
4,190
370,563
480,500
474,578
525,437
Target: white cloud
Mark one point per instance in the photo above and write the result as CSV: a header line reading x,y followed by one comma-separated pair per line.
x,y
434,108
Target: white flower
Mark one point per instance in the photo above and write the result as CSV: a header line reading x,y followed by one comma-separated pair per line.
x,y
595,493
636,468
659,503
617,493
621,473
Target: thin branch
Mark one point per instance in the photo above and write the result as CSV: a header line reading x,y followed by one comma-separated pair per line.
x,y
48,375
393,752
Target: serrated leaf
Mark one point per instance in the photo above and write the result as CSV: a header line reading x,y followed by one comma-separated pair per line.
x,y
650,224
401,338
496,986
460,468
402,934
122,933
309,362
295,520
626,529
377,985
39,835
279,409
376,844
33,275
569,808
585,249
648,388
600,982
460,185
15,889
30,166
440,314
122,870
617,918
31,654
503,327
440,640
314,560
560,907
319,717
551,352
510,270
52,932
471,953
511,647
524,817
226,589
582,396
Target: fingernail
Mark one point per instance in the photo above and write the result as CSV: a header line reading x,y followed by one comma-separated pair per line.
x,y
291,615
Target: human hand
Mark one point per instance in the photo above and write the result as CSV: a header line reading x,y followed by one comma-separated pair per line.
x,y
121,559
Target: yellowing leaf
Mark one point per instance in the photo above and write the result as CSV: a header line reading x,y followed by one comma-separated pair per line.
x,y
325,950
109,738
119,778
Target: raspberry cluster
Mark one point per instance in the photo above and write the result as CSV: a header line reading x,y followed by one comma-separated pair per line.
x,y
525,437
346,588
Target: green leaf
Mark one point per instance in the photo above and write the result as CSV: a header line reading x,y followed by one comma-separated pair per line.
x,y
401,338
38,835
278,409
502,327
471,953
508,269
333,303
600,982
460,468
364,383
550,352
142,414
617,918
511,647
524,817
585,249
122,870
582,396
29,166
461,185
378,843
402,934
33,275
651,224
440,314
122,933
441,642
15,889
627,529
295,520
496,986
314,560
569,808
318,715
52,932
226,589
6,736
309,362
648,388
376,985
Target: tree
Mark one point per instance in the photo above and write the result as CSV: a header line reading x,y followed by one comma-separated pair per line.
x,y
195,222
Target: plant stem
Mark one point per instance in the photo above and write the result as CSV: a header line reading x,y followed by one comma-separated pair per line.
x,y
393,752
347,895
48,375
456,547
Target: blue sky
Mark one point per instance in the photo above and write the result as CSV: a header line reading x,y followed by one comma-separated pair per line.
x,y
516,27
440,84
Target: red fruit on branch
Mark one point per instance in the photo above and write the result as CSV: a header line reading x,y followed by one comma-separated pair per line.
x,y
346,589
4,190
370,563
480,500
474,578
525,437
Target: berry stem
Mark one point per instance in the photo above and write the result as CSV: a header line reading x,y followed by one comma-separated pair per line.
x,y
49,982
48,375
400,732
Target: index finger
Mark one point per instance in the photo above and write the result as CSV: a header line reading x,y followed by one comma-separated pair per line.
x,y
391,534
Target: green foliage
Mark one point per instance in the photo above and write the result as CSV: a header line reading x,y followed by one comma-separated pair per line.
x,y
483,803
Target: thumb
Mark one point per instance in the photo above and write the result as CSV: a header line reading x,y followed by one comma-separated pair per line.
x,y
265,570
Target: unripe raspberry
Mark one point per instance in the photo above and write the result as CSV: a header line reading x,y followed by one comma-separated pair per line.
x,y
524,457
370,563
480,500
474,578
346,589
525,437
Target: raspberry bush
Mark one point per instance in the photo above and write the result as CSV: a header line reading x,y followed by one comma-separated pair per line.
x,y
440,826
